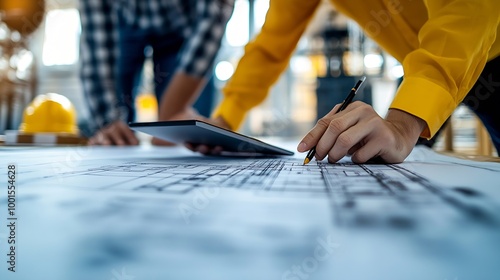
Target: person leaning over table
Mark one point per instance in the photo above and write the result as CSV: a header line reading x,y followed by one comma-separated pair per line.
x,y
185,36
449,50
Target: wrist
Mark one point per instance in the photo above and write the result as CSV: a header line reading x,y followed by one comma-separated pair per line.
x,y
168,114
408,126
220,121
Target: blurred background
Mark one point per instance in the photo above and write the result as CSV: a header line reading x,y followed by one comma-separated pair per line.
x,y
39,53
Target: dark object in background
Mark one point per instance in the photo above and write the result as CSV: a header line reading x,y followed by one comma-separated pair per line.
x,y
430,142
332,87
331,91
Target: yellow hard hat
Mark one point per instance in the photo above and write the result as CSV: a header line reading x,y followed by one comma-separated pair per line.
x,y
49,113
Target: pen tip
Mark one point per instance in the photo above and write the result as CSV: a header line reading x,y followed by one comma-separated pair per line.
x,y
306,161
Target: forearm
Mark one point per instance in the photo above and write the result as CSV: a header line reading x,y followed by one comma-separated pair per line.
x,y
265,58
97,60
181,93
196,57
453,48
202,45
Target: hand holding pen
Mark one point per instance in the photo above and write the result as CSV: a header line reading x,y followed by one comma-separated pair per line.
x,y
344,104
359,131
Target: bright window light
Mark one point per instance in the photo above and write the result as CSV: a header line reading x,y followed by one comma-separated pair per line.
x,y
397,71
224,70
237,30
62,32
301,64
373,61
261,7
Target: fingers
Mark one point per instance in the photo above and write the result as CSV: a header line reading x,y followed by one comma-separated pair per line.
x,y
338,128
128,135
160,142
353,149
117,133
209,150
204,149
347,140
217,150
339,133
190,146
370,150
358,130
313,136
99,139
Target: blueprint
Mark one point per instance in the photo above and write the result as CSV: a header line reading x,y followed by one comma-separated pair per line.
x,y
103,212
173,171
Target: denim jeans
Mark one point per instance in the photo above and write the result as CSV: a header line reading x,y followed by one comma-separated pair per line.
x,y
167,50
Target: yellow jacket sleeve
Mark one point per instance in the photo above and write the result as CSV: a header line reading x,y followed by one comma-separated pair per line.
x,y
453,48
265,58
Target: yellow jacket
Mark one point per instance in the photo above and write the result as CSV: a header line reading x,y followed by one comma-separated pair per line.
x,y
442,44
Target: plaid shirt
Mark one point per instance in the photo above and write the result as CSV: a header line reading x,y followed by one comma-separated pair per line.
x,y
201,22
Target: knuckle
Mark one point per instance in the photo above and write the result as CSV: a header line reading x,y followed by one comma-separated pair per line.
x,y
337,125
345,140
377,124
366,109
331,159
357,103
359,157
323,122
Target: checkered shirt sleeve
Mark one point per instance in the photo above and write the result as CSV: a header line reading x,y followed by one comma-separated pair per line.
x,y
205,36
98,54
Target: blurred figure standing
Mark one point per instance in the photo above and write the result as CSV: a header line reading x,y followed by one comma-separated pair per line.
x,y
185,36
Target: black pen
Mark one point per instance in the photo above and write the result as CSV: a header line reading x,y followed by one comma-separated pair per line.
x,y
346,102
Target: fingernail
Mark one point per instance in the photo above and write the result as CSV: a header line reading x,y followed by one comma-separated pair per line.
x,y
302,147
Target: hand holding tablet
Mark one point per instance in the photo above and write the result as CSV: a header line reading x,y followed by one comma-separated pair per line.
x,y
202,133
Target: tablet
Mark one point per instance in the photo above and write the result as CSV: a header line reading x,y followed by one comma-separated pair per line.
x,y
199,132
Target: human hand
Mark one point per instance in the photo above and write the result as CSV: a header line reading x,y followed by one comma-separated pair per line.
x,y
117,133
205,149
192,114
361,132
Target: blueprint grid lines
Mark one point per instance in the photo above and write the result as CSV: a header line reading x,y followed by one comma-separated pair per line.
x,y
353,190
